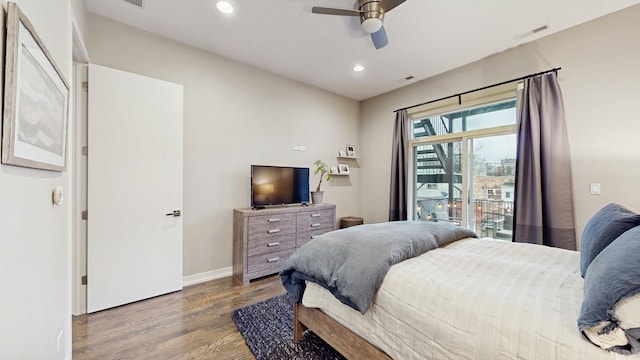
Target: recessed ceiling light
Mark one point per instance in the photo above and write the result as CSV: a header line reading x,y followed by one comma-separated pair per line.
x,y
358,68
225,7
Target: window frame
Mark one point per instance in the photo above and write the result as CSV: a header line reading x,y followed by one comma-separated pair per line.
x,y
507,92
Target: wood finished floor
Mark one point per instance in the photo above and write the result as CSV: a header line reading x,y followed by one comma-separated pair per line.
x,y
194,323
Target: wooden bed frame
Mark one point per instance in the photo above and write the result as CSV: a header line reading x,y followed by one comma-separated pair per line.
x,y
345,341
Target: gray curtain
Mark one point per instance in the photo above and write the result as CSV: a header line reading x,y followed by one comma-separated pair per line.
x,y
543,194
398,198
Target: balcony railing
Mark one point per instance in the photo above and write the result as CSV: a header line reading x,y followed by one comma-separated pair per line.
x,y
491,218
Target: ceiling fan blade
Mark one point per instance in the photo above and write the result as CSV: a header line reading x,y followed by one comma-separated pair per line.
x,y
388,5
334,11
379,38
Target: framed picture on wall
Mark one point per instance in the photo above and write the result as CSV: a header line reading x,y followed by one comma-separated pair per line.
x,y
36,100
343,168
351,151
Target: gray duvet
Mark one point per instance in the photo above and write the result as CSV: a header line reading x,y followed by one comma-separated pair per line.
x,y
351,263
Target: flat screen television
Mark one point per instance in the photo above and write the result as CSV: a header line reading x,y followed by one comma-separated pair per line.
x,y
278,185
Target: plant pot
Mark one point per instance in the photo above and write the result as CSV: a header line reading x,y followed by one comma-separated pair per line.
x,y
316,197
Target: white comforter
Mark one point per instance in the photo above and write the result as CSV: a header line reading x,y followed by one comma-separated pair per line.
x,y
475,299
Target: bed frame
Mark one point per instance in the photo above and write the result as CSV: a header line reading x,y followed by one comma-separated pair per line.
x,y
345,341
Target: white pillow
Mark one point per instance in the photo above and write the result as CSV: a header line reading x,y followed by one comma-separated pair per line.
x,y
627,311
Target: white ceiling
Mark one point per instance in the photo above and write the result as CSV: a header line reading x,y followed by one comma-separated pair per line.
x,y
426,37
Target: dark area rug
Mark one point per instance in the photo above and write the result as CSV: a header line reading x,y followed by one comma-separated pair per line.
x,y
267,327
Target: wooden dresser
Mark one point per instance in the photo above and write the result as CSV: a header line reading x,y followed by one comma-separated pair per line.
x,y
263,240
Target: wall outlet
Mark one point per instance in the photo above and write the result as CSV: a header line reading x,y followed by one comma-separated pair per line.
x,y
594,188
299,148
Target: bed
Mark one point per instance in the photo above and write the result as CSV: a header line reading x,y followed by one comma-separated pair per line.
x,y
465,299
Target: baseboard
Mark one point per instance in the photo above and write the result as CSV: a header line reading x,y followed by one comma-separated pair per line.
x,y
206,276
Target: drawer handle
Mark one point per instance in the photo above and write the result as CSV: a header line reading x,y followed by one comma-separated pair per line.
x,y
273,220
315,215
272,244
314,237
315,225
272,260
273,231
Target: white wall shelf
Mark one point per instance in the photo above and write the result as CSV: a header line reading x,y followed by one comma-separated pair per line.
x,y
348,157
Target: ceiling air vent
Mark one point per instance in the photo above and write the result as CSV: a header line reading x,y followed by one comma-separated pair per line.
x,y
532,32
405,79
137,3
541,28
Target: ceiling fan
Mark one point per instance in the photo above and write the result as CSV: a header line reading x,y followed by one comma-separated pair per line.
x,y
371,14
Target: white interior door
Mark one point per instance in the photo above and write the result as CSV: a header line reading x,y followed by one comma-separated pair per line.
x,y
134,249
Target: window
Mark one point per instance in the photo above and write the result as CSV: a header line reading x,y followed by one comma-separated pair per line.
x,y
464,166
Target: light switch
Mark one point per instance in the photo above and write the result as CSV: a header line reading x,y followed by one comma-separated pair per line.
x,y
594,188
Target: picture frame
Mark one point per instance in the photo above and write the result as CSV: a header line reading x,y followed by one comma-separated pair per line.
x,y
36,100
351,151
343,169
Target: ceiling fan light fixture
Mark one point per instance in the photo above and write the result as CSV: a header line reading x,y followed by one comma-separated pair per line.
x,y
224,7
371,16
371,25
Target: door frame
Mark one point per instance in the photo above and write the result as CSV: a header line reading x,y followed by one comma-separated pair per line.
x,y
78,176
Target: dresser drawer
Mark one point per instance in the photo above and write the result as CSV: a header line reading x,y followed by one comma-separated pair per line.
x,y
310,220
306,236
268,262
266,245
271,225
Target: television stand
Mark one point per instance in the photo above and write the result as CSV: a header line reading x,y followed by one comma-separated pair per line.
x,y
263,240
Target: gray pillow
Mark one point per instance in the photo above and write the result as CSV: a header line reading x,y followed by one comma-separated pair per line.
x,y
604,227
612,276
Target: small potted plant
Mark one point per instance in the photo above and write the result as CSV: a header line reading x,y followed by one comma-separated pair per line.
x,y
323,170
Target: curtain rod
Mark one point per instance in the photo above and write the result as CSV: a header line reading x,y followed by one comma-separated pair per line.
x,y
482,88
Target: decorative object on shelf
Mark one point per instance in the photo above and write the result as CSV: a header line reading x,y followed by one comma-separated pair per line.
x,y
351,151
322,169
334,170
36,100
343,168
342,153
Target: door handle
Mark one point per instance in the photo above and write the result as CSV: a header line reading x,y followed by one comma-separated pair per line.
x,y
175,213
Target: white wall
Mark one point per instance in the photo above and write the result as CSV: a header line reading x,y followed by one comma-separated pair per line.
x,y
79,17
234,116
599,80
35,239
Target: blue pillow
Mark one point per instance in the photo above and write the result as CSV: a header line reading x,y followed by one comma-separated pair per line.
x,y
604,227
612,276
